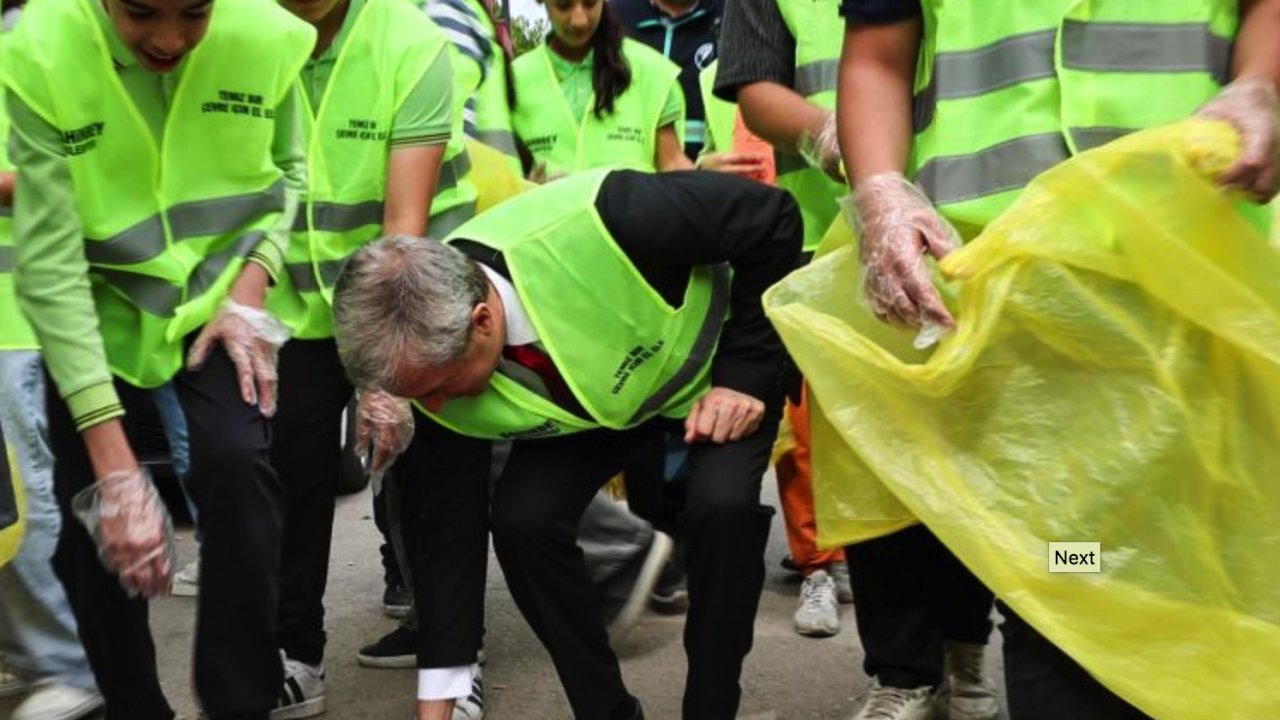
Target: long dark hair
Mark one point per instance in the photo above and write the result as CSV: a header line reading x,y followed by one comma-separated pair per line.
x,y
610,73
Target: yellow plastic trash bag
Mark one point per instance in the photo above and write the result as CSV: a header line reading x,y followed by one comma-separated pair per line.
x,y
11,504
493,176
1115,378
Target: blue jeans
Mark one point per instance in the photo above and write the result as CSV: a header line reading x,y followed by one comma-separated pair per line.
x,y
37,630
174,422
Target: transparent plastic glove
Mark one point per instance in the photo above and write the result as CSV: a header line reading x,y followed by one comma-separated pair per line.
x,y
128,522
384,428
252,338
896,226
1251,105
823,149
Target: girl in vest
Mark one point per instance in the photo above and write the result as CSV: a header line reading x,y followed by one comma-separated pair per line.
x,y
156,143
589,98
385,157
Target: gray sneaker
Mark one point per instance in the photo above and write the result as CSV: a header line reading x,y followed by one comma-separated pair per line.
x,y
967,693
891,703
819,613
54,701
844,584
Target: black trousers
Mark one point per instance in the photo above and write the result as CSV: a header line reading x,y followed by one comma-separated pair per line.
x,y
537,504
911,594
1044,683
237,665
443,481
306,452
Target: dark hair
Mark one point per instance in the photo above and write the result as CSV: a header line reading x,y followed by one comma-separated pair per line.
x,y
610,72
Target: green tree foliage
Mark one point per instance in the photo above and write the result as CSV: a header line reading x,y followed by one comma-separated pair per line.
x,y
526,33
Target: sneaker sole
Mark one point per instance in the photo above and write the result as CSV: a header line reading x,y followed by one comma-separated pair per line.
x,y
184,590
659,552
397,612
398,662
81,710
817,632
304,709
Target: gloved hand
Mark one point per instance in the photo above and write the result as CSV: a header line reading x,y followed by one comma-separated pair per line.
x,y
384,424
128,522
743,164
1251,105
252,338
896,226
822,150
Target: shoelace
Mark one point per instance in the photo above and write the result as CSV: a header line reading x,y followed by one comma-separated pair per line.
x,y
814,594
885,702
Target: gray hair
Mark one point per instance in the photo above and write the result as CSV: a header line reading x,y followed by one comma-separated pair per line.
x,y
404,299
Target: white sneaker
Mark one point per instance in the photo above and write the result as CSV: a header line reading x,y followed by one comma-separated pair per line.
x,y
472,706
840,576
890,703
54,701
818,614
303,693
11,683
186,583
967,693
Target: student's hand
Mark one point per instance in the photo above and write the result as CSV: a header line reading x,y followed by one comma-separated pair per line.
x,y
896,226
1250,103
723,415
384,423
821,149
747,165
128,522
252,338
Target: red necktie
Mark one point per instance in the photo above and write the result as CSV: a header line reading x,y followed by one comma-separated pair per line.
x,y
534,359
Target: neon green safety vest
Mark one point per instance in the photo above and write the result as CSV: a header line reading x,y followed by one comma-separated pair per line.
x,y
12,522
721,115
625,138
819,36
491,123
15,332
390,46
1005,89
166,227
626,355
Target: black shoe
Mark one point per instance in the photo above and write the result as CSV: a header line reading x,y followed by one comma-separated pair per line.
x,y
670,595
397,602
626,593
397,649
788,563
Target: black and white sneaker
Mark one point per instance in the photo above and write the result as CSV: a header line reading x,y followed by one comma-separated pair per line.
x,y
472,706
302,695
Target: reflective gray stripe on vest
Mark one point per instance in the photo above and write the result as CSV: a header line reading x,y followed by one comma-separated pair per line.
x,y
1007,166
452,172
817,77
146,240
339,217
969,73
1145,47
1093,46
444,223
700,353
304,278
1092,137
8,258
500,140
161,297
